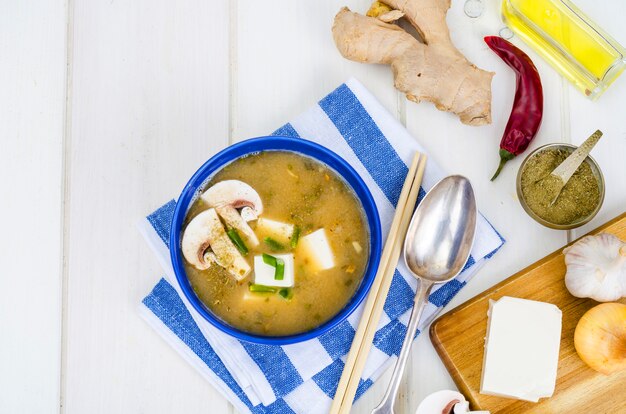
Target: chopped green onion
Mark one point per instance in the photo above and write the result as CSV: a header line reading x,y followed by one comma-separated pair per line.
x,y
273,244
280,269
261,289
276,263
236,239
269,259
295,236
286,293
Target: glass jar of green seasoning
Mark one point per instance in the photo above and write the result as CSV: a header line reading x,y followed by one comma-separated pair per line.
x,y
579,201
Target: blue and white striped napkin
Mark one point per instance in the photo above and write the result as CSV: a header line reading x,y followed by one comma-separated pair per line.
x,y
302,378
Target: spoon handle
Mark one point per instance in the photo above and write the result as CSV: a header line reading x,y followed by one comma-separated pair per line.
x,y
386,405
568,167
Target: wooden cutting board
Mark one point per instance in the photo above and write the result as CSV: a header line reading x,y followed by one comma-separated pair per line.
x,y
459,338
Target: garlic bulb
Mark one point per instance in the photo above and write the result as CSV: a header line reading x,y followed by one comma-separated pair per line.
x,y
600,338
596,268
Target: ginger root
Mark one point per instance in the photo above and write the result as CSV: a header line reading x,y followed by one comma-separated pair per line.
x,y
432,70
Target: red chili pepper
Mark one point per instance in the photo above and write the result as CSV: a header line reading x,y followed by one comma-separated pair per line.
x,y
525,118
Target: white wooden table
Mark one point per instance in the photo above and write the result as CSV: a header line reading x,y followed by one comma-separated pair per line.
x,y
108,106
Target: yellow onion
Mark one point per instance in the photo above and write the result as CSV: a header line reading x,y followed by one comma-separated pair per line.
x,y
600,338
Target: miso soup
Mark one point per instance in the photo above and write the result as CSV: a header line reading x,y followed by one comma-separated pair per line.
x,y
277,244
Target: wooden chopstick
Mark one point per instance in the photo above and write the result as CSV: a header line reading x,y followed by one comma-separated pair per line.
x,y
372,311
374,318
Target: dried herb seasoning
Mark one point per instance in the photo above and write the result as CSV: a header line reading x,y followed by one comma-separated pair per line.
x,y
577,200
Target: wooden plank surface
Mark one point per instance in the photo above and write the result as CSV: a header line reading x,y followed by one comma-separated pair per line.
x,y
149,103
459,337
154,89
32,102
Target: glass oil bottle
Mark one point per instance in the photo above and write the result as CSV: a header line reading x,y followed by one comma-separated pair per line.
x,y
573,44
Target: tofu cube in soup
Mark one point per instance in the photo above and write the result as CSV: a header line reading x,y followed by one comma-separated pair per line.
x,y
315,247
265,274
277,230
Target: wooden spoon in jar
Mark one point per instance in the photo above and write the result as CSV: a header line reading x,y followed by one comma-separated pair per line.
x,y
567,168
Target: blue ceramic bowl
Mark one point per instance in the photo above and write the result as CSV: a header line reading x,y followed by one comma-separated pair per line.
x,y
307,148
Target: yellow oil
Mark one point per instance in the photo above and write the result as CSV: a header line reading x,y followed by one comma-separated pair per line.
x,y
568,40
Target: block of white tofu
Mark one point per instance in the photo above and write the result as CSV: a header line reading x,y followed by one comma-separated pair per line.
x,y
315,249
264,273
277,230
521,349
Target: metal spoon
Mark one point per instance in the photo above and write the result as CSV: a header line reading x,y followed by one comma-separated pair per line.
x,y
564,171
436,247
